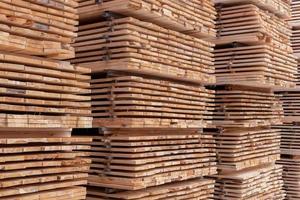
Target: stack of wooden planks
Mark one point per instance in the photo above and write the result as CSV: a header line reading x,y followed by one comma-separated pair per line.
x,y
131,101
150,62
254,45
262,182
35,168
189,17
240,106
295,22
246,145
35,27
291,169
128,44
38,90
238,149
133,163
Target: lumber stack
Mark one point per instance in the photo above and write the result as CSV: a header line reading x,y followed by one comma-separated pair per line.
x,y
254,45
38,90
131,45
247,147
263,182
130,163
291,177
41,101
132,101
191,18
43,167
150,62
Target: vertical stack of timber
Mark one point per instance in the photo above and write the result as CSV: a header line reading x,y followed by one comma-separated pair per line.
x,y
253,56
41,101
150,61
290,132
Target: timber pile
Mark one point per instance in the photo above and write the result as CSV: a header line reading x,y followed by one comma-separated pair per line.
x,y
132,163
128,44
291,175
41,28
238,149
260,64
200,189
261,182
38,92
131,101
280,8
43,168
189,17
254,44
290,99
241,106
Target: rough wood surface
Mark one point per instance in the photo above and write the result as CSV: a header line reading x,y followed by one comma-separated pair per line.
x,y
189,17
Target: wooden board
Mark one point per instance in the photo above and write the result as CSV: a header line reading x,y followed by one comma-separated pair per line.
x,y
200,189
134,159
262,182
127,44
291,175
131,101
248,24
255,65
240,106
43,167
243,148
35,27
279,7
190,17
42,92
291,104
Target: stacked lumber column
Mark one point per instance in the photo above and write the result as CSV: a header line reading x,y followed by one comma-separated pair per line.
x,y
290,140
150,61
41,101
253,57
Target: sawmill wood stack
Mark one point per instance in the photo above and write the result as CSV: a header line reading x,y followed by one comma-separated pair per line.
x,y
42,28
131,163
291,175
43,167
128,44
290,138
241,106
41,100
254,44
150,62
262,182
131,101
188,17
238,149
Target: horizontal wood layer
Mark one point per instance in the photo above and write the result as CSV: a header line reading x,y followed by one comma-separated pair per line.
x,y
130,45
120,100
261,182
239,106
42,28
137,158
200,189
238,149
33,168
190,17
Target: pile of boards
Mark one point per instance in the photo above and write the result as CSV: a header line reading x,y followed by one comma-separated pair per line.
x,y
247,146
290,139
150,62
130,163
41,101
253,44
36,168
40,91
253,56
